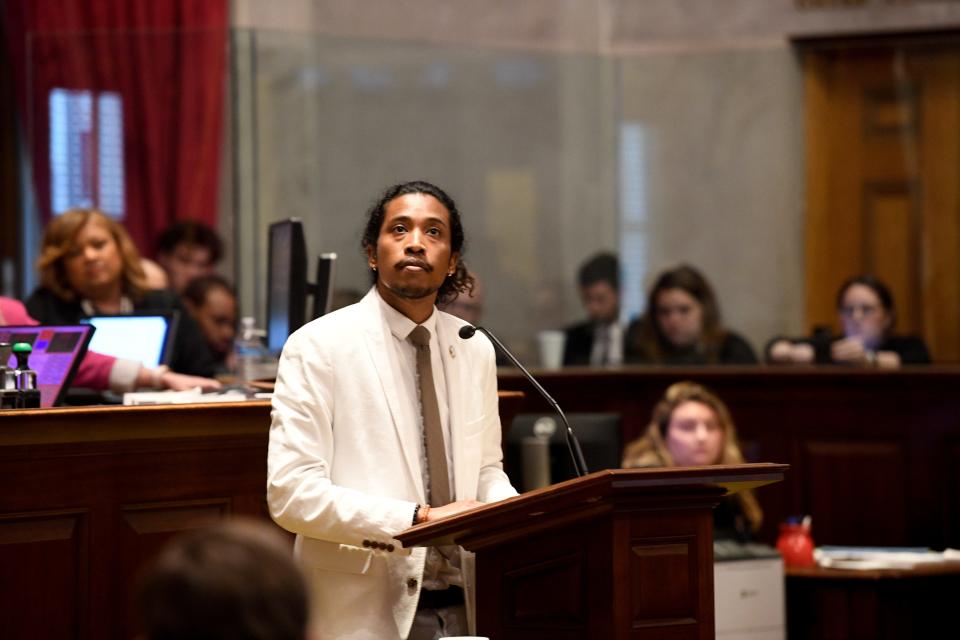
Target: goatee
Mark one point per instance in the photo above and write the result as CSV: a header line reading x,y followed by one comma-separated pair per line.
x,y
412,293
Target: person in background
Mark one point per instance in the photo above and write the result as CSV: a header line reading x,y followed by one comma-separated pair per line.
x,y
88,266
467,306
233,581
682,325
186,250
155,276
692,427
598,341
101,372
868,315
213,303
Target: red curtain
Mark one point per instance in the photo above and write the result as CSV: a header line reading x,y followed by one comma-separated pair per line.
x,y
167,61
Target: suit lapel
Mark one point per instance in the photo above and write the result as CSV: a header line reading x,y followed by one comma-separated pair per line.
x,y
375,336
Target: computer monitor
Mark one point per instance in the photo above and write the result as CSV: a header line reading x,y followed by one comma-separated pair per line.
x,y
287,285
286,281
322,289
599,435
56,356
144,337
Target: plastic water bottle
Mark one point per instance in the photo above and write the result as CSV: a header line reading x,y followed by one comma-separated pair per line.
x,y
250,350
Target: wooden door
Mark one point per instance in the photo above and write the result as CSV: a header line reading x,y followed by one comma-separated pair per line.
x,y
882,192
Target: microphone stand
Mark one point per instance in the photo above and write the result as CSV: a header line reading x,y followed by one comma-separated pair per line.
x,y
573,445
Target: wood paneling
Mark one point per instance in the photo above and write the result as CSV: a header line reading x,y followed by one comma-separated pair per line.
x,y
875,604
873,455
660,603
548,589
51,547
92,494
882,188
624,553
146,527
855,486
891,246
950,479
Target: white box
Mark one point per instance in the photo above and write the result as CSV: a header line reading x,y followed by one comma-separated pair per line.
x,y
749,599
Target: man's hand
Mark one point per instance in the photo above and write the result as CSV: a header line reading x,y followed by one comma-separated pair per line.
x,y
784,351
452,509
849,350
182,382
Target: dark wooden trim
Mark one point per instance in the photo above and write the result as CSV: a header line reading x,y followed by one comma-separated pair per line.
x,y
819,421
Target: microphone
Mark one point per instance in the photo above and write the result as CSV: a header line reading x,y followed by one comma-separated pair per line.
x,y
573,445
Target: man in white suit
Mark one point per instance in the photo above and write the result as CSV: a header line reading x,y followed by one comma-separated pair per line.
x,y
357,455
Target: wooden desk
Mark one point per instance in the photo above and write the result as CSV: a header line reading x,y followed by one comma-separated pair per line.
x,y
89,495
873,456
623,553
873,604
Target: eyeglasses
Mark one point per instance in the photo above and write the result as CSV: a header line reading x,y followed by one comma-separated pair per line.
x,y
864,309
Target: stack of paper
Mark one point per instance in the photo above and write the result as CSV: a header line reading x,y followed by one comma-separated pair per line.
x,y
189,396
881,557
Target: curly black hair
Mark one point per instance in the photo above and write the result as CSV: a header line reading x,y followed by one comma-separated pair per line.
x,y
190,232
461,281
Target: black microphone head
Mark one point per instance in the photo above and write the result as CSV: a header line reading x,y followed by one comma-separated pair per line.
x,y
467,331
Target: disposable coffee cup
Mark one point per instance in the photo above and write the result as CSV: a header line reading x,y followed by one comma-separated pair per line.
x,y
551,348
535,461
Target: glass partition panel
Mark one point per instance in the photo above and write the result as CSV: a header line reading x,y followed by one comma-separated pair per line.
x,y
522,141
712,176
664,158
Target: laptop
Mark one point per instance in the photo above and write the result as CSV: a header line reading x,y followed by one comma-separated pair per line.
x,y
57,352
143,337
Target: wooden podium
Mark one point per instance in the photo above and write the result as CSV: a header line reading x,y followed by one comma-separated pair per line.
x,y
622,553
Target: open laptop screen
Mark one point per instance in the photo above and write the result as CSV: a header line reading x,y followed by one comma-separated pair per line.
x,y
57,352
144,338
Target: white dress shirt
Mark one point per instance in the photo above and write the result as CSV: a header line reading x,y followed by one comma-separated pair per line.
x,y
443,564
607,344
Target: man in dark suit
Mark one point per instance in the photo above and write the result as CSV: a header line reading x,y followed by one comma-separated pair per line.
x,y
599,340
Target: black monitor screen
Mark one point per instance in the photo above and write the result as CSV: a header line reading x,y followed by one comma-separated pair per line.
x,y
286,282
598,433
323,288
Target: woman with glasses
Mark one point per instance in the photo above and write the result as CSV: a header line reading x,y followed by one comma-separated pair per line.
x,y
868,315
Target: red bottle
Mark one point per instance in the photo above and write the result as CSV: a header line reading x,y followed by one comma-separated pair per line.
x,y
795,543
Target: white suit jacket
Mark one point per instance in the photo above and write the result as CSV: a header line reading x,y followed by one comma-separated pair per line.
x,y
344,463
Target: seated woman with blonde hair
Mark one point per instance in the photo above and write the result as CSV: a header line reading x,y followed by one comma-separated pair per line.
x,y
691,427
89,266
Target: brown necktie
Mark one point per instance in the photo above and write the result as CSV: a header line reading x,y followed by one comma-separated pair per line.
x,y
430,409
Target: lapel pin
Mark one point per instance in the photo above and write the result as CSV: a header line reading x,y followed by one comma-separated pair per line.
x,y
452,354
